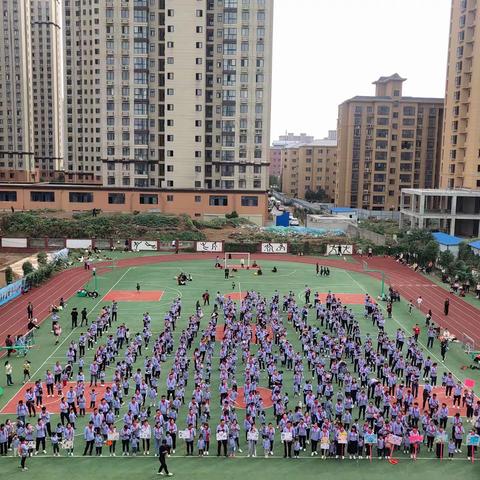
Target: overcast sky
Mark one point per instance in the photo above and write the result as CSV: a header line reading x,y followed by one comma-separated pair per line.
x,y
326,51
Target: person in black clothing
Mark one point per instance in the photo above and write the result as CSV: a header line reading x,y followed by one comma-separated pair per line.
x,y
446,306
443,348
163,452
84,317
74,315
29,311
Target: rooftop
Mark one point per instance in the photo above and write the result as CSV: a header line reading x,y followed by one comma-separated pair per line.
x,y
475,244
315,143
466,192
392,78
445,239
371,98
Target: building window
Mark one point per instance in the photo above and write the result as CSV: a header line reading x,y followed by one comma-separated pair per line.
x,y
42,196
80,197
249,201
146,199
116,198
6,196
198,198
169,198
218,201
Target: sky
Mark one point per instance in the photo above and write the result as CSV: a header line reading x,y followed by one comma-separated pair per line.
x,y
326,51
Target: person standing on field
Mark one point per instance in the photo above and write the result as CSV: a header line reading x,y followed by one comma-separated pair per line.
x,y
163,452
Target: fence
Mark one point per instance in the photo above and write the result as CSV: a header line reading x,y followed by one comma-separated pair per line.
x,y
47,243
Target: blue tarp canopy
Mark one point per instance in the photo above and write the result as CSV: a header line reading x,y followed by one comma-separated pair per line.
x,y
445,239
475,244
342,210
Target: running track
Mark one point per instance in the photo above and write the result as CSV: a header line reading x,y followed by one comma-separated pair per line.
x,y
462,319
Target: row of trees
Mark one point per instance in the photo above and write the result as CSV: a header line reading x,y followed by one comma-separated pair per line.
x,y
424,249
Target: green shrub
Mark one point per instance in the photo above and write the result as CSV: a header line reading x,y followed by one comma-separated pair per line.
x,y
8,275
27,268
42,258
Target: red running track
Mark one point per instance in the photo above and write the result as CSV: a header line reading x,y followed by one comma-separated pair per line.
x,y
462,319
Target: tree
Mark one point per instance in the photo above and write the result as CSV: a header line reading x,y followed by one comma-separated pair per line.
x,y
8,275
27,268
446,260
318,196
42,258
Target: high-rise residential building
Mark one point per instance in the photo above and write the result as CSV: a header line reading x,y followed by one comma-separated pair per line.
x,y
460,165
47,86
30,90
16,101
387,142
168,94
310,167
276,150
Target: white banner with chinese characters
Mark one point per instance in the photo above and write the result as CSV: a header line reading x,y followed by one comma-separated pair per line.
x,y
269,247
140,245
209,247
339,249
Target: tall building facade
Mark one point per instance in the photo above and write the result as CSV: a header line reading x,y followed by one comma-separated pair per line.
x,y
31,122
461,141
387,142
16,109
310,167
47,86
168,94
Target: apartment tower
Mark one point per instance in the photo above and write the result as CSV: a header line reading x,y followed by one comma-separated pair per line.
x,y
387,142
460,165
310,167
168,93
16,101
47,86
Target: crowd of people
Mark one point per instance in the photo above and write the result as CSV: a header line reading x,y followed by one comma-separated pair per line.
x,y
334,391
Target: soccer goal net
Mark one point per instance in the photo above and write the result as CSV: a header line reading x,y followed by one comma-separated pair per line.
x,y
237,260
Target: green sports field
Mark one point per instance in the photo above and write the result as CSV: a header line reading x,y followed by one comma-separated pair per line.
x,y
160,276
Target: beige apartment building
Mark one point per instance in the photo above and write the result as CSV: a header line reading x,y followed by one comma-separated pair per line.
x,y
387,142
31,123
310,166
168,94
16,101
460,165
47,86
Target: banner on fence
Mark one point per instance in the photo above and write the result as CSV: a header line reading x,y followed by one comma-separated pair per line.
x,y
15,242
78,243
9,292
209,247
269,247
139,245
339,249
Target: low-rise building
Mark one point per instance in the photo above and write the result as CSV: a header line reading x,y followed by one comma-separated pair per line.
x,y
202,204
454,211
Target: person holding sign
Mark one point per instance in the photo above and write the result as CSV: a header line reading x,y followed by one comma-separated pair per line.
x,y
325,441
252,437
473,441
222,436
342,440
441,439
352,438
287,439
